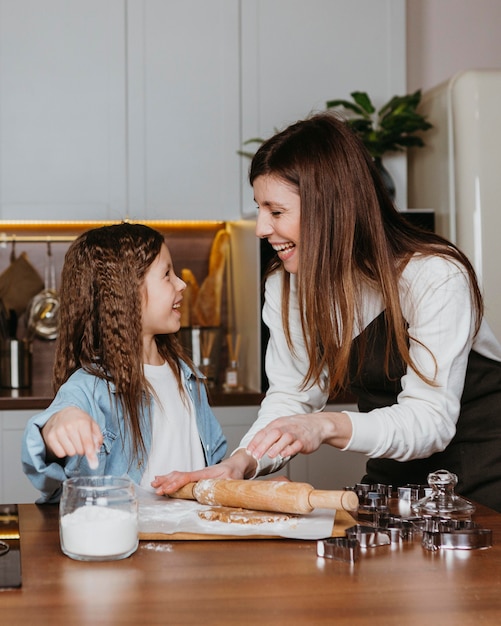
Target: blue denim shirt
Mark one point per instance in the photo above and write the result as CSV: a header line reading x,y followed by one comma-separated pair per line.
x,y
95,397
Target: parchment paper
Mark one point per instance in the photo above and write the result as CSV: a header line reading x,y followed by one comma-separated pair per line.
x,y
158,514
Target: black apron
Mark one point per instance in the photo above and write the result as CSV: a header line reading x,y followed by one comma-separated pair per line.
x,y
474,454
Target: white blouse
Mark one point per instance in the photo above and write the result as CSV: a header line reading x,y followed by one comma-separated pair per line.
x,y
436,303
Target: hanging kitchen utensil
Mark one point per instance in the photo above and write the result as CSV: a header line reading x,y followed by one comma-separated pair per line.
x,y
4,321
43,315
19,283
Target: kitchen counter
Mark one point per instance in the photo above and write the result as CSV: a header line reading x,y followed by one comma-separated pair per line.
x,y
252,582
39,395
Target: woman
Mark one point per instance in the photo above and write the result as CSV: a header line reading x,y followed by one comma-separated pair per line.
x,y
359,299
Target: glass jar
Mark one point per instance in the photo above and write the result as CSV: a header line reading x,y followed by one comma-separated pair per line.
x,y
98,518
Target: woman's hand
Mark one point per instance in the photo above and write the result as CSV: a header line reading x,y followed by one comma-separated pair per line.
x,y
72,431
238,466
287,436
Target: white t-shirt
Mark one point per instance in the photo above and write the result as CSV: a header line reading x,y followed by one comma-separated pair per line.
x,y
175,441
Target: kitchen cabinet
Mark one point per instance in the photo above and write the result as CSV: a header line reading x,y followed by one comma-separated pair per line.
x,y
14,486
119,109
183,103
329,468
325,469
62,109
296,55
137,108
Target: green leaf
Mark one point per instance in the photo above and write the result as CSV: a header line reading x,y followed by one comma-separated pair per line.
x,y
243,153
363,101
361,126
253,140
399,104
331,104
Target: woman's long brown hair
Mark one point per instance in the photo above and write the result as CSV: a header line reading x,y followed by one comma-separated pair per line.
x,y
351,236
100,327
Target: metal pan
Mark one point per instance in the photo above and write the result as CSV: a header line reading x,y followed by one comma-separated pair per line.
x,y
43,315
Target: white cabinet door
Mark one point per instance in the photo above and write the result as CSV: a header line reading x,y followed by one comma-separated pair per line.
x,y
14,486
327,468
183,86
62,110
296,55
235,422
203,76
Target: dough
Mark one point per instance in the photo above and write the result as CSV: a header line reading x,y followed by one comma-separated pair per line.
x,y
243,516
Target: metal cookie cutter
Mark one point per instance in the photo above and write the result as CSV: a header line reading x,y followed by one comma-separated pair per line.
x,y
413,492
369,536
373,500
455,535
339,549
398,527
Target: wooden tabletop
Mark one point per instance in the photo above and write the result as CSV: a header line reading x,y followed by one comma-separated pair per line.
x,y
252,582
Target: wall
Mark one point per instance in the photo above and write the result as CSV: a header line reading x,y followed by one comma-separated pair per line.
x,y
447,36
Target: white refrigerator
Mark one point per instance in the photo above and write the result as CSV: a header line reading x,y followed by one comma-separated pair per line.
x,y
458,173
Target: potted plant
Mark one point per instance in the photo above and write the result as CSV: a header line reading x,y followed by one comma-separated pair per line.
x,y
392,128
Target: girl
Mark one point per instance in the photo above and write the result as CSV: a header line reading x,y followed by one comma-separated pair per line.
x,y
359,299
128,399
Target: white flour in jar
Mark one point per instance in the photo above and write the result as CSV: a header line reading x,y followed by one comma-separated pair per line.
x,y
99,531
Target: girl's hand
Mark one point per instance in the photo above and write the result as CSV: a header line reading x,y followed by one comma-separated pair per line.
x,y
72,431
237,466
287,436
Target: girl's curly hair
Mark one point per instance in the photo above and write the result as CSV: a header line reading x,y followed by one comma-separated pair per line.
x,y
100,327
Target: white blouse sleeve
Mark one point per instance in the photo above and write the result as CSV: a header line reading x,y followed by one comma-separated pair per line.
x,y
436,303
285,370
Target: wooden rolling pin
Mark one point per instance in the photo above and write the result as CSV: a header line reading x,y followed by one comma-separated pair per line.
x,y
269,495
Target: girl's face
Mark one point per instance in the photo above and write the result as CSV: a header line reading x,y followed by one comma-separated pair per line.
x,y
279,211
161,296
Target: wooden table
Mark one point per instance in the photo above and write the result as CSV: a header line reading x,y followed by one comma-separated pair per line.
x,y
252,582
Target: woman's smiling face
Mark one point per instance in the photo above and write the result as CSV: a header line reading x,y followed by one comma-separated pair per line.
x,y
279,211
